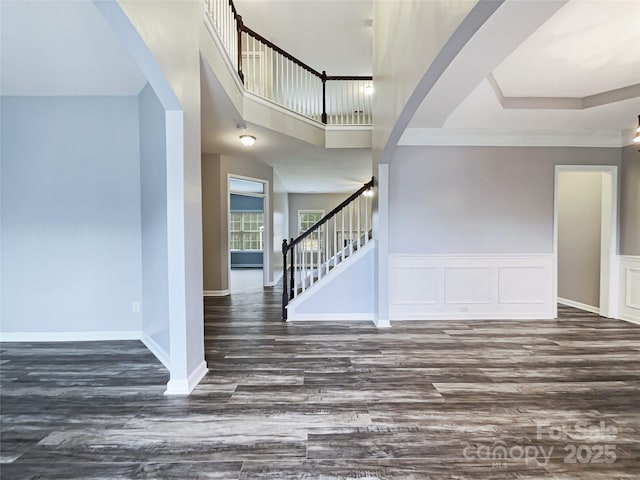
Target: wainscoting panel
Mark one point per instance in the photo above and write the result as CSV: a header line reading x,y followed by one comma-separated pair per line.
x,y
471,286
414,285
629,288
467,285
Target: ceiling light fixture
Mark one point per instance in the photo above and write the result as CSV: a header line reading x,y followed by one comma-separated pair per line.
x,y
368,89
247,140
636,139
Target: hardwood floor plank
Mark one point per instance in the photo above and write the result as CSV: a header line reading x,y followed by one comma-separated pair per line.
x,y
422,400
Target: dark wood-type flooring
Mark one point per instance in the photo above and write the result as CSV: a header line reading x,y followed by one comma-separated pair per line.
x,y
423,400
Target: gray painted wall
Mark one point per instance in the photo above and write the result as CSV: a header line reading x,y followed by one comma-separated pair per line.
x,y
579,229
153,203
311,201
212,231
70,223
630,201
215,192
478,199
280,223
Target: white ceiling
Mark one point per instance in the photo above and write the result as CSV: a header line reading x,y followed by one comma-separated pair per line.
x,y
331,35
62,48
586,48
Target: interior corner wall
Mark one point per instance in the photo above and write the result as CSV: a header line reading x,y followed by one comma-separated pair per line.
x,y
170,32
579,229
153,207
70,218
213,204
280,224
630,201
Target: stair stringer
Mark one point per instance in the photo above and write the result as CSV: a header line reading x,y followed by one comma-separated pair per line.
x,y
344,294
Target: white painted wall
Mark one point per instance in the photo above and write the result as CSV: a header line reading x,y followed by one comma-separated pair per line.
x,y
153,203
629,293
346,293
579,228
70,219
164,41
407,37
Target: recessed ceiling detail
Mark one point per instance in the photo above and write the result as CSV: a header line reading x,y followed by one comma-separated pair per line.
x,y
586,48
563,103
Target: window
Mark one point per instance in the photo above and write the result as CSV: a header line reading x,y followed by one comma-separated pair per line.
x,y
246,230
306,220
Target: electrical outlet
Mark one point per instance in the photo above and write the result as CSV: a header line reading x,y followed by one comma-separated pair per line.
x,y
135,307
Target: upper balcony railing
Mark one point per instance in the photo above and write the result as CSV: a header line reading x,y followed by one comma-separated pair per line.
x,y
270,72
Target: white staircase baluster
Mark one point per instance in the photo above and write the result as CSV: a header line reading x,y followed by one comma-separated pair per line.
x,y
335,240
342,244
359,229
351,228
318,262
304,270
327,251
366,216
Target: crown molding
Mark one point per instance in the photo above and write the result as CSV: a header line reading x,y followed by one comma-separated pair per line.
x,y
511,137
563,103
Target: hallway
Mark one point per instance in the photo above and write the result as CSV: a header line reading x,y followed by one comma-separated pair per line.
x,y
421,400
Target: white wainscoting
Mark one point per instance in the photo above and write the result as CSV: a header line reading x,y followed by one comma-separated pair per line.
x,y
629,306
471,286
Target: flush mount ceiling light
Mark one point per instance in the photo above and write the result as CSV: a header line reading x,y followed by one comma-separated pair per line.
x,y
368,89
247,140
636,139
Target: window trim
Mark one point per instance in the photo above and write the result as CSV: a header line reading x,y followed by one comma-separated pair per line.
x,y
316,210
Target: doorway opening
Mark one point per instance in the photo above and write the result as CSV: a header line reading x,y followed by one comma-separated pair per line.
x,y
248,234
585,238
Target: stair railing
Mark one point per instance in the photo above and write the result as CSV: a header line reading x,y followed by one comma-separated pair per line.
x,y
329,242
272,73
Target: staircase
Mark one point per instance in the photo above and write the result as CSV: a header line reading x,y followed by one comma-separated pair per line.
x,y
334,239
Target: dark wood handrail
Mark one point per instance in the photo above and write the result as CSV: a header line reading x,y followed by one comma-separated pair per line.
x,y
331,214
353,77
241,27
273,46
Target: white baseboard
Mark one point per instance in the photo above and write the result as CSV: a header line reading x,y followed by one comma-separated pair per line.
x,y
216,293
331,317
70,336
276,279
156,349
186,385
579,305
382,323
630,318
516,316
